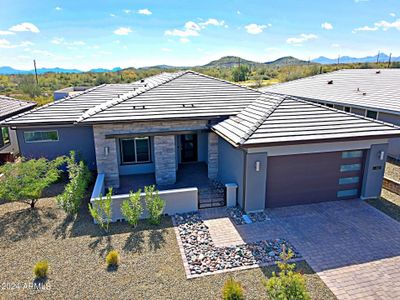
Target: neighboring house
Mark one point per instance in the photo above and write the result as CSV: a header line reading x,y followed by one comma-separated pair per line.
x,y
278,150
373,93
69,91
8,138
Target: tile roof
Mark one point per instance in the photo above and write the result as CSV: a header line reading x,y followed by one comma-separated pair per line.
x,y
377,89
277,119
182,95
10,106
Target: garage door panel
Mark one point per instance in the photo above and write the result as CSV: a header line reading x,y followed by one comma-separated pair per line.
x,y
310,178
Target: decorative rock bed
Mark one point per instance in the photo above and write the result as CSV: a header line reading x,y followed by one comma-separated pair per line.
x,y
236,215
204,257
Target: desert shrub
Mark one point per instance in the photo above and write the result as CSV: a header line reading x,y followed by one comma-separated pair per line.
x,y
155,205
101,211
132,208
232,290
41,269
25,181
79,178
288,284
112,258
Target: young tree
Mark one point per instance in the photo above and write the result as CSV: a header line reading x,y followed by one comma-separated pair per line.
x,y
79,176
132,208
155,205
25,181
101,210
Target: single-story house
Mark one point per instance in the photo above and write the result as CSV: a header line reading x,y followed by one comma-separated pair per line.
x,y
185,129
8,137
373,93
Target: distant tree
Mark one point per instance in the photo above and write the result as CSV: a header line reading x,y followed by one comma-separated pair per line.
x,y
25,181
240,73
28,86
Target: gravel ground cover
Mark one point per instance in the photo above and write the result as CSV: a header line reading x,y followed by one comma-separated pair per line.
x,y
236,215
204,257
151,265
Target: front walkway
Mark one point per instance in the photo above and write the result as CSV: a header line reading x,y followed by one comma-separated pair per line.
x,y
353,247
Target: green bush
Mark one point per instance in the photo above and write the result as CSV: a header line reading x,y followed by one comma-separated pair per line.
x,y
155,205
101,211
132,208
25,181
288,284
79,176
112,258
41,269
232,290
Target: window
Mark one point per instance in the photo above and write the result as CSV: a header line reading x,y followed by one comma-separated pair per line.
x,y
136,150
349,168
352,154
347,193
371,114
329,105
41,136
347,109
348,180
5,135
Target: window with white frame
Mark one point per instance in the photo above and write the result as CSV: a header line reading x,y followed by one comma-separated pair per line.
x,y
135,150
41,136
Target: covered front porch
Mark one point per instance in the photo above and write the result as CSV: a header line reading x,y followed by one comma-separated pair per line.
x,y
192,174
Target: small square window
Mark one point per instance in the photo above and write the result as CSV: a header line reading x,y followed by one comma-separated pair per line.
x,y
347,109
371,114
350,168
352,154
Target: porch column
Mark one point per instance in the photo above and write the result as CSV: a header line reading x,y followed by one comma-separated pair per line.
x,y
212,155
106,156
165,159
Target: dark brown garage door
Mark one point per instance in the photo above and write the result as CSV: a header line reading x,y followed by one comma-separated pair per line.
x,y
310,178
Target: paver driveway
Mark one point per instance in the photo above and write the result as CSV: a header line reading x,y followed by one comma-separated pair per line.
x,y
353,247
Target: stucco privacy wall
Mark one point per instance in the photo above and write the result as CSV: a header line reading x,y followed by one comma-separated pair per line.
x,y
231,166
373,171
108,164
75,138
12,147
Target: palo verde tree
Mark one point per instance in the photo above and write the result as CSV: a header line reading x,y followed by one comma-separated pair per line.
x,y
25,181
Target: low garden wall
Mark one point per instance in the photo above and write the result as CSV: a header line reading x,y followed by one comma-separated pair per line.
x,y
391,185
176,200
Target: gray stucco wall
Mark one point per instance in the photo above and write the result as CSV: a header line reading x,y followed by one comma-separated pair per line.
x,y
373,171
79,139
394,144
255,182
231,166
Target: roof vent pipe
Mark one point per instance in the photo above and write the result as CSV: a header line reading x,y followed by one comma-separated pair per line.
x,y
378,72
330,82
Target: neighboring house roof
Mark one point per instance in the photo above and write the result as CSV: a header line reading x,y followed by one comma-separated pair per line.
x,y
10,106
377,89
277,119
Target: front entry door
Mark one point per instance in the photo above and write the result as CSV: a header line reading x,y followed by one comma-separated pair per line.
x,y
188,147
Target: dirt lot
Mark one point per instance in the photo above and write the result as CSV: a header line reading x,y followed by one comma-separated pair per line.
x,y
151,265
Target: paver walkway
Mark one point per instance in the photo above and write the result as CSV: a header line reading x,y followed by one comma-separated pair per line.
x,y
353,247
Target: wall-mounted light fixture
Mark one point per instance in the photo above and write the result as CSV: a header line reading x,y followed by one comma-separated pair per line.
x,y
258,165
381,155
106,151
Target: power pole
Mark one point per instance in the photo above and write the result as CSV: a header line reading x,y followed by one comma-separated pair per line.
x,y
34,65
390,59
338,60
377,58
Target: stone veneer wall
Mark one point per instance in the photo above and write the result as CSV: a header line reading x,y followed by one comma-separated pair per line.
x,y
165,159
109,164
212,155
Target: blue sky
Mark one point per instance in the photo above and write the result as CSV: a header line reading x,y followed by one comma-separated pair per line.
x,y
109,33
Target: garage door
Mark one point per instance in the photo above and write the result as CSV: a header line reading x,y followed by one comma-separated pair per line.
x,y
311,178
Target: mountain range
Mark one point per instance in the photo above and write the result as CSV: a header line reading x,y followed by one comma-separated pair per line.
x,y
223,62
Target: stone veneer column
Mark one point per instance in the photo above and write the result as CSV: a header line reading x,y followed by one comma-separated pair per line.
x,y
165,159
212,155
107,164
